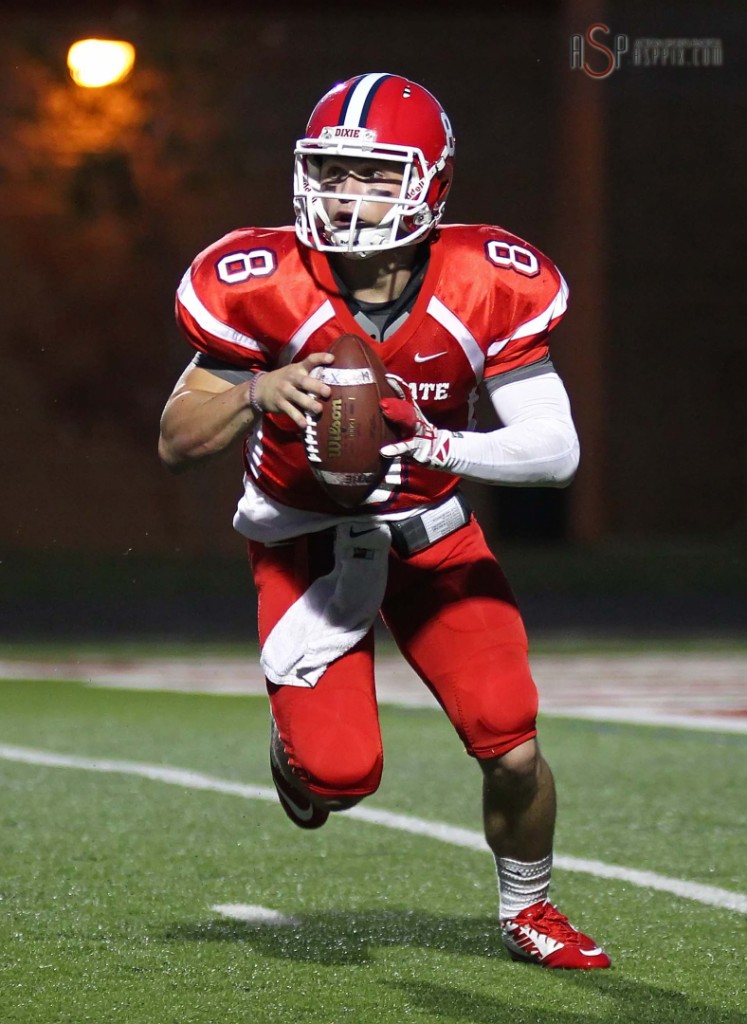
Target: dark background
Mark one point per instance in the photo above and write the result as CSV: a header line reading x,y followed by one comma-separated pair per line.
x,y
633,184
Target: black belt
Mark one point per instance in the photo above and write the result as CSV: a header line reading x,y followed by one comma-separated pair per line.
x,y
420,531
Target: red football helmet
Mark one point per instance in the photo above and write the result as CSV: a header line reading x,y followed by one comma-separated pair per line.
x,y
379,117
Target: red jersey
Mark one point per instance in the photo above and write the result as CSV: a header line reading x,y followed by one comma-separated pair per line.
x,y
259,299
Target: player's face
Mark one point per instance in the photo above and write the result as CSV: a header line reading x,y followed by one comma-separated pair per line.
x,y
355,177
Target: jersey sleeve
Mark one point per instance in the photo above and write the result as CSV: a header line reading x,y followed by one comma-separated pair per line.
x,y
220,368
214,314
537,302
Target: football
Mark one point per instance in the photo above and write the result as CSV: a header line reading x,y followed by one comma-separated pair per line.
x,y
342,442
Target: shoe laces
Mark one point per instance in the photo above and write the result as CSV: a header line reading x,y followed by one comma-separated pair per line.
x,y
561,928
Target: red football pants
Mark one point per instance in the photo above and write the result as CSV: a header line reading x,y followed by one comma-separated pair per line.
x,y
454,618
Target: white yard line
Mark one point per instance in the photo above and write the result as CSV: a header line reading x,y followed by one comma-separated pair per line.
x,y
709,895
252,913
633,716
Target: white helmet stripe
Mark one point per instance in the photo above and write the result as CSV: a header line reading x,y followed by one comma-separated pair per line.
x,y
355,101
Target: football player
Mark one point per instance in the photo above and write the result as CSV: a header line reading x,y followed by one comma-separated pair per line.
x,y
450,309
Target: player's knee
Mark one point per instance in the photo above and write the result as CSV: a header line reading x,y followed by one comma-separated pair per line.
x,y
515,772
344,771
497,703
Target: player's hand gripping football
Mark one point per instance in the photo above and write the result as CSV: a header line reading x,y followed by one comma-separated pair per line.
x,y
293,389
420,439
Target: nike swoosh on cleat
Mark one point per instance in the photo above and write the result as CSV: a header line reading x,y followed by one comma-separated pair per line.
x,y
596,951
304,813
283,786
426,359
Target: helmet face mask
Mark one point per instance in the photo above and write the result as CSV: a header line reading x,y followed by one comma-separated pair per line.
x,y
390,121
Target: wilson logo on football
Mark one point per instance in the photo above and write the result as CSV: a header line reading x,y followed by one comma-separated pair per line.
x,y
334,434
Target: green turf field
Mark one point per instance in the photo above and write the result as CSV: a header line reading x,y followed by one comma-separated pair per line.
x,y
109,878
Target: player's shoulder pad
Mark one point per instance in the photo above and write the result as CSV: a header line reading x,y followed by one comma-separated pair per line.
x,y
212,300
528,294
245,254
489,246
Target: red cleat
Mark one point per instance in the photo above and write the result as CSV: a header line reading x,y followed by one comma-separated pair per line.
x,y
542,935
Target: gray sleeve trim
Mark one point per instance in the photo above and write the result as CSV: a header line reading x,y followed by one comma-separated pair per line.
x,y
543,365
226,371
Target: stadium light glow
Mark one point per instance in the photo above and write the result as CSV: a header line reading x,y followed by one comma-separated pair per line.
x,y
94,63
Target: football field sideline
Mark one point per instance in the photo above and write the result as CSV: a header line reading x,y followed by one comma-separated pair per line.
x,y
704,691
440,831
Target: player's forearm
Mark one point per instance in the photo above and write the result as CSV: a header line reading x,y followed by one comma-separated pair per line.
x,y
539,453
197,426
536,447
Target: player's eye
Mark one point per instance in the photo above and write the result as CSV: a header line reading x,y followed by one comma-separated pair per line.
x,y
379,175
333,174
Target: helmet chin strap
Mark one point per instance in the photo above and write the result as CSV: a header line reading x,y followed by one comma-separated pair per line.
x,y
373,236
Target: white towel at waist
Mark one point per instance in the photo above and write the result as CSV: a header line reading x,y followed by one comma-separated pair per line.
x,y
335,612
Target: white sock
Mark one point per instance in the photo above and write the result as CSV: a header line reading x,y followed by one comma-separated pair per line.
x,y
521,883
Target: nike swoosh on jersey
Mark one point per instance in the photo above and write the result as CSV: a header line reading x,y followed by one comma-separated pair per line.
x,y
427,359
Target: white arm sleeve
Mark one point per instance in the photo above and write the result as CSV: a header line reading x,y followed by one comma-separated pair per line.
x,y
537,446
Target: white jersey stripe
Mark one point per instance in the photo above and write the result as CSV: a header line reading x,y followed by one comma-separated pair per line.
x,y
254,450
208,322
461,333
320,316
538,323
357,99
